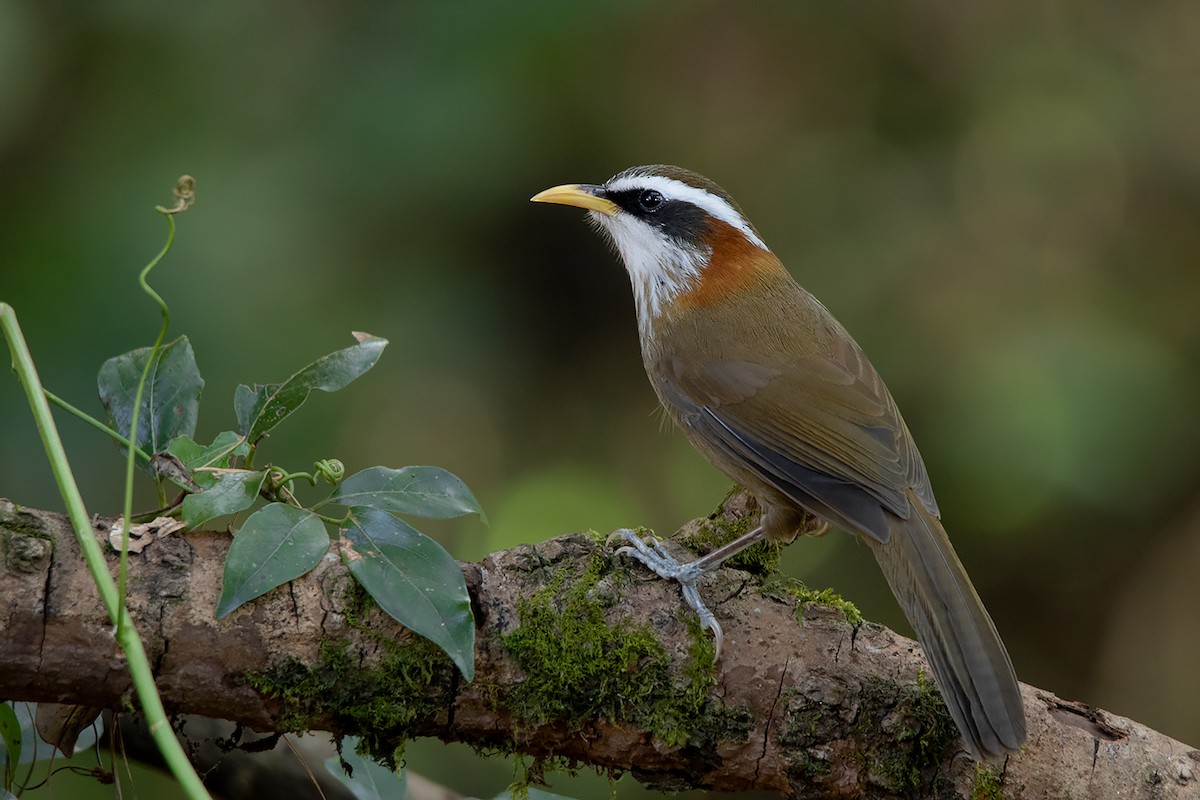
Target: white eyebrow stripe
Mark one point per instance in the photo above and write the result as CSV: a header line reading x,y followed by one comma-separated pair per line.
x,y
678,190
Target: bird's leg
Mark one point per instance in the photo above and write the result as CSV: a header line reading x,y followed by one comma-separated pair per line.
x,y
727,551
655,556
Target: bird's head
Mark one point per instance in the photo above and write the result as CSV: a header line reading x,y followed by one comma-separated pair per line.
x,y
682,237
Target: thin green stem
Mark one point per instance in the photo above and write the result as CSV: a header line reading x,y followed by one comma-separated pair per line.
x,y
110,433
130,463
338,521
127,636
95,423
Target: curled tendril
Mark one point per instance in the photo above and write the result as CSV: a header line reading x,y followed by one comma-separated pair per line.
x,y
185,195
331,470
275,482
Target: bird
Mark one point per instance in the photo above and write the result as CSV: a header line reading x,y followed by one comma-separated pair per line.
x,y
770,388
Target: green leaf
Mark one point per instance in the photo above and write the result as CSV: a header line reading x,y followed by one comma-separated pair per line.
x,y
414,580
218,455
370,781
263,406
221,494
422,491
10,741
277,544
170,401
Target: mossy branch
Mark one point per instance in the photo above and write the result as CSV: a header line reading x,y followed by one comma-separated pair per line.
x,y
581,659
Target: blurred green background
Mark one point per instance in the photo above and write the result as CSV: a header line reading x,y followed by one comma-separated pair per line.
x,y
1001,202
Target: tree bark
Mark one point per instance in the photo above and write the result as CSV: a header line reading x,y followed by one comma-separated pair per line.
x,y
580,658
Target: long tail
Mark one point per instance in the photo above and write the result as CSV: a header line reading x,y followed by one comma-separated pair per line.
x,y
969,661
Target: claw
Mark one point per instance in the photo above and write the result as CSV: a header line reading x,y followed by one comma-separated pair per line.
x,y
626,535
819,531
692,595
654,556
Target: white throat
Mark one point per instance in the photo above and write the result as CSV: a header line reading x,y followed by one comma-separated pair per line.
x,y
660,268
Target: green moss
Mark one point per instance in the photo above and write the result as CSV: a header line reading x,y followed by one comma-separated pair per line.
x,y
531,772
904,732
357,603
814,717
580,667
24,523
701,668
809,767
922,742
790,587
595,535
383,703
988,784
25,544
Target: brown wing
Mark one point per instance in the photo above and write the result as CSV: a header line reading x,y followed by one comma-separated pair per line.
x,y
820,427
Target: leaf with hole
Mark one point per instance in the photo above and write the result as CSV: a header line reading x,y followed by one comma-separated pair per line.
x,y
422,491
278,543
263,406
414,580
218,455
170,399
222,493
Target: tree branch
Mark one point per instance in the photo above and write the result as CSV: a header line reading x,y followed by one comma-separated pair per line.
x,y
580,659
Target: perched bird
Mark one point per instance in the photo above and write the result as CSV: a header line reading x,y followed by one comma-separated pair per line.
x,y
772,390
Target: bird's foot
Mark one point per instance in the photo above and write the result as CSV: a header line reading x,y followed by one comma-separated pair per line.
x,y
665,565
654,556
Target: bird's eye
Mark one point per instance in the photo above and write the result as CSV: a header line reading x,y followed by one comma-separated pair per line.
x,y
650,200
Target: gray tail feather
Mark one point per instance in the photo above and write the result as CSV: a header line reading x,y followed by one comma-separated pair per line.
x,y
969,661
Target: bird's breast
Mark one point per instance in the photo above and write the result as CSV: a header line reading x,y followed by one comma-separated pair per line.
x,y
754,316
734,265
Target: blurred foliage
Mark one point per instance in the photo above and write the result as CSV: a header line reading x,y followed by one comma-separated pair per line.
x,y
1001,201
